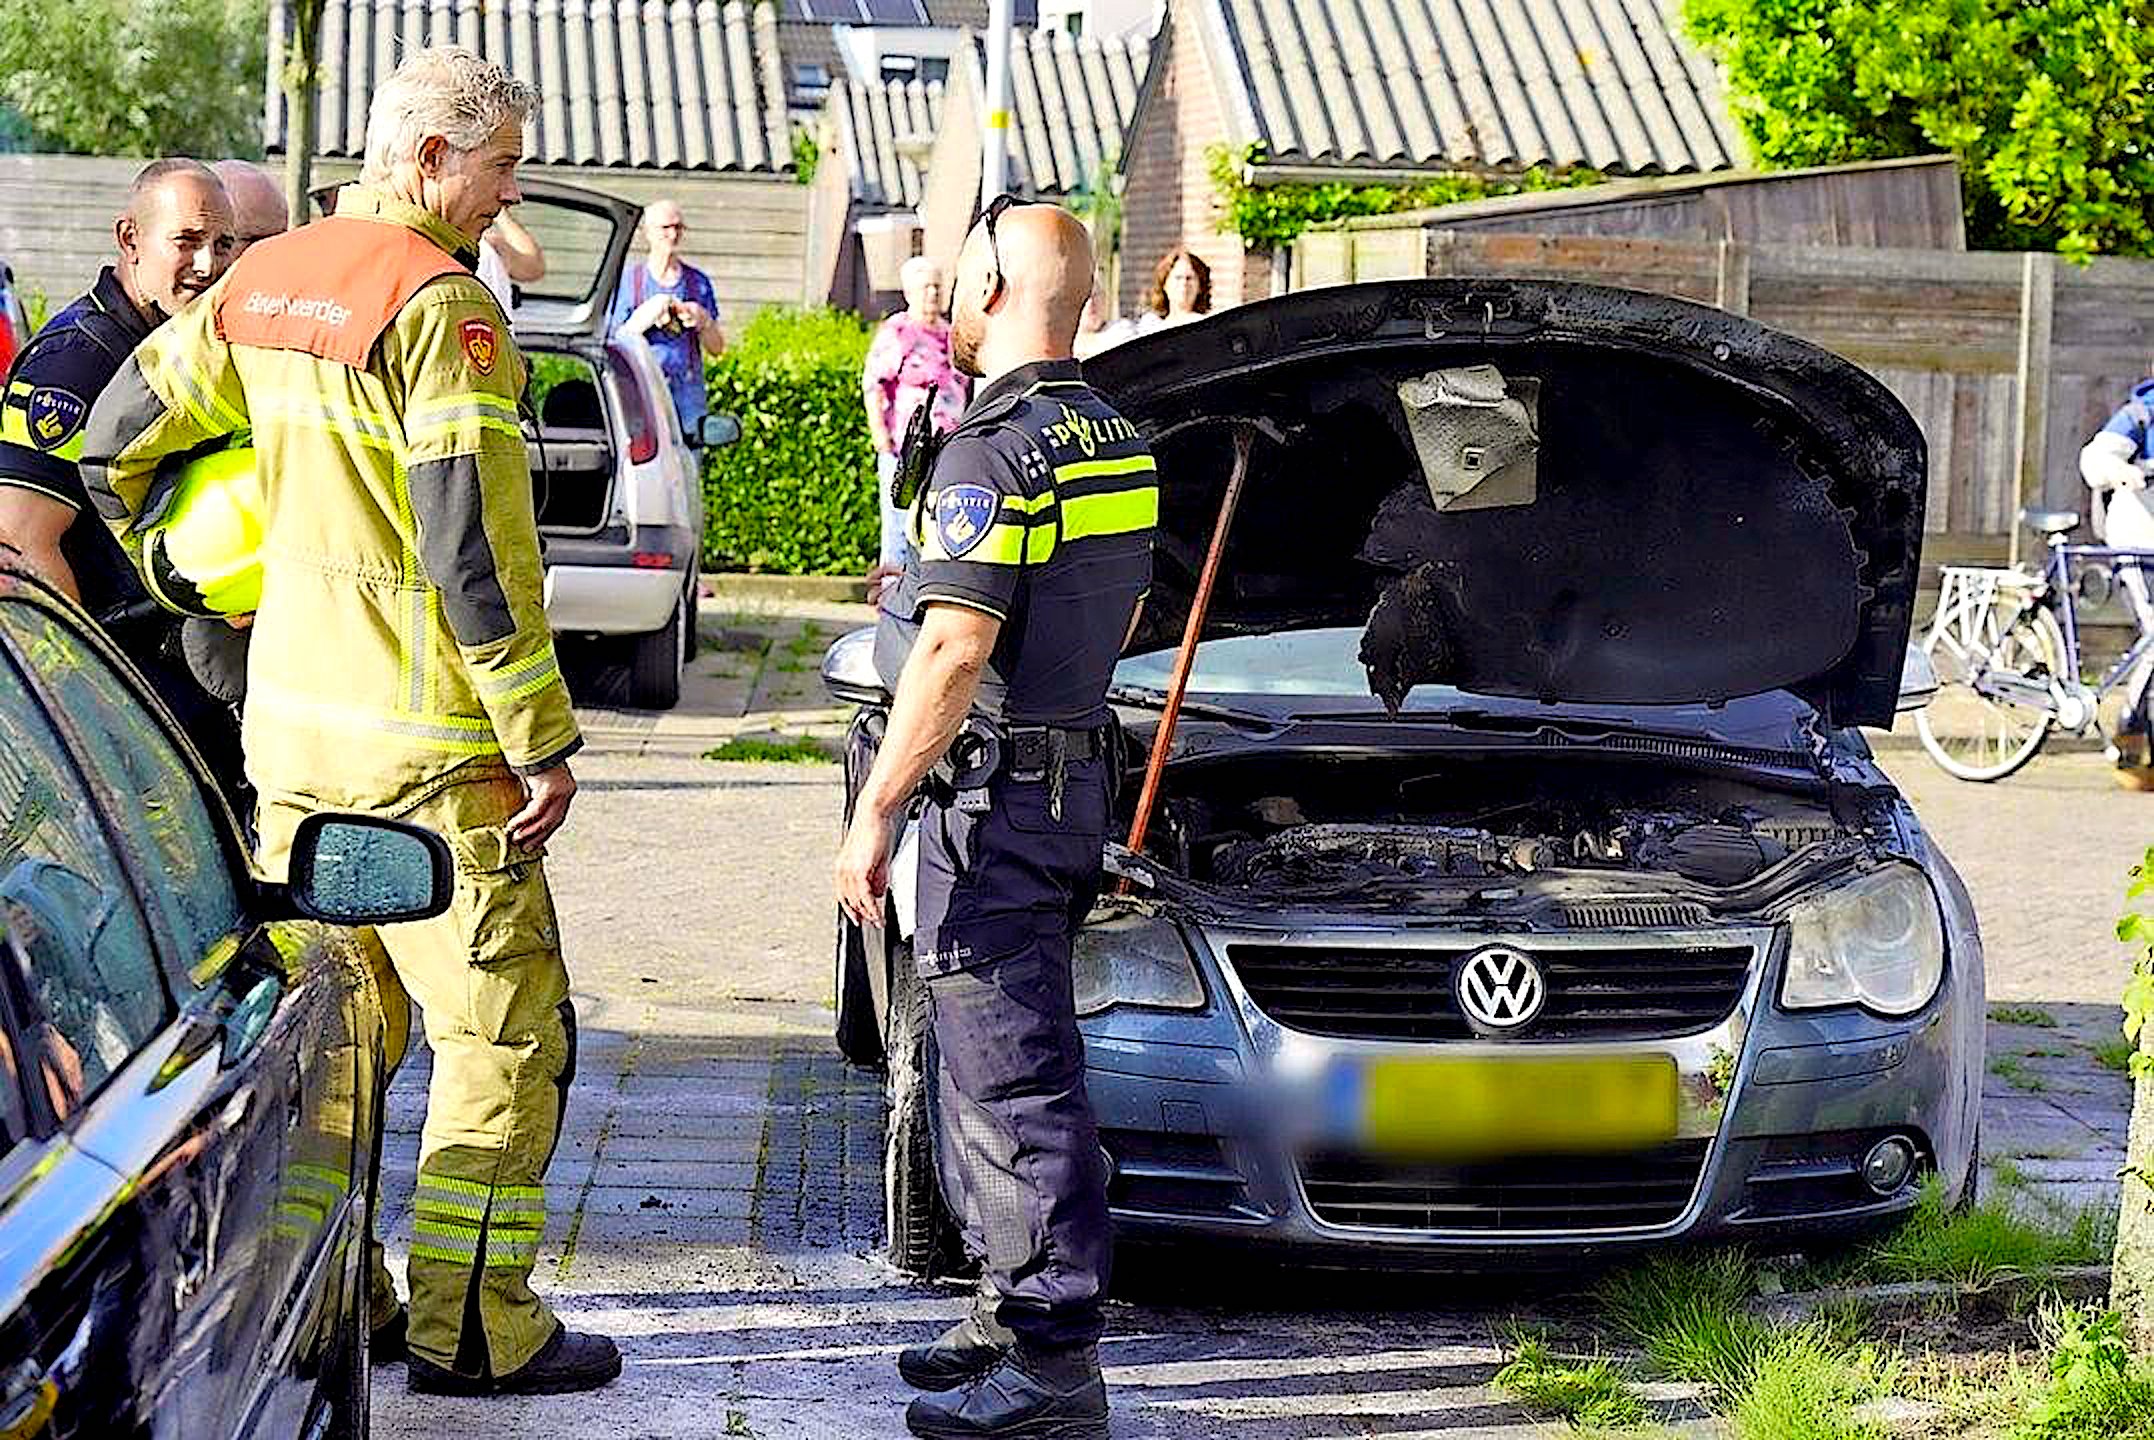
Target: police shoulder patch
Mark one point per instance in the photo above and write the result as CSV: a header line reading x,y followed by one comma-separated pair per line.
x,y
52,415
482,345
964,513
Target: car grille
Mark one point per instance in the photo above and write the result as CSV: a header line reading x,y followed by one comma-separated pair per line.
x,y
1630,992
1542,1192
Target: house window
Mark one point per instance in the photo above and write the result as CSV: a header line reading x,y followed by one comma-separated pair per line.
x,y
862,12
811,78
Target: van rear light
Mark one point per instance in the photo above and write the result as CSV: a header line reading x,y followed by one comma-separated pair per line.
x,y
653,560
7,338
642,428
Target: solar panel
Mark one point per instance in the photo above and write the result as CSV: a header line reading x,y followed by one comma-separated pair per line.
x,y
894,12
829,12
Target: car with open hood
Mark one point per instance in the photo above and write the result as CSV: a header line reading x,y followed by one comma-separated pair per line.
x,y
1519,882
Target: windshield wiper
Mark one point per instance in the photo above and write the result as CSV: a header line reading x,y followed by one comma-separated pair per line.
x,y
1156,700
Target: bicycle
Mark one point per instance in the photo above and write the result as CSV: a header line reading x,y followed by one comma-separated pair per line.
x,y
2005,646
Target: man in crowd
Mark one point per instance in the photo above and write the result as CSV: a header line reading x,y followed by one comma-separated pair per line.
x,y
401,661
1035,533
174,239
671,305
257,202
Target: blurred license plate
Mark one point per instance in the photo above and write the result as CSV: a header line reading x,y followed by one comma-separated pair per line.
x,y
1455,1107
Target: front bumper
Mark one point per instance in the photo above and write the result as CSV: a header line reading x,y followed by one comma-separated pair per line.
x,y
1776,1111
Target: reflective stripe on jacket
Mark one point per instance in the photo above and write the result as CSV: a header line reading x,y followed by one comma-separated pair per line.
x,y
402,628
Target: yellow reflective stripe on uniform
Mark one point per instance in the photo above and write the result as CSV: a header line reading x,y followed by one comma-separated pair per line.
x,y
1094,469
449,414
1018,504
198,393
449,734
371,430
527,676
15,430
1115,513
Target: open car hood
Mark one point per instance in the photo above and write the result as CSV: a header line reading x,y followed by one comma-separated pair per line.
x,y
1555,491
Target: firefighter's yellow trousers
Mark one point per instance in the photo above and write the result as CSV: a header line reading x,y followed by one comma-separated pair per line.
x,y
490,984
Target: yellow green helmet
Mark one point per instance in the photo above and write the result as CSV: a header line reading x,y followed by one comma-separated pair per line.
x,y
201,538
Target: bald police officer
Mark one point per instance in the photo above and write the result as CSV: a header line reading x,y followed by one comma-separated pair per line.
x,y
1034,530
175,238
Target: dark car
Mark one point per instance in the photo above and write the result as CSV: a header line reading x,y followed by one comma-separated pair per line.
x,y
191,1071
1520,884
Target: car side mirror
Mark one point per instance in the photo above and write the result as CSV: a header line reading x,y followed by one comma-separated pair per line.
x,y
849,672
716,430
361,870
1918,680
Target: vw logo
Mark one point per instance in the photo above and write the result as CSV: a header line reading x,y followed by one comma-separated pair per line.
x,y
1499,990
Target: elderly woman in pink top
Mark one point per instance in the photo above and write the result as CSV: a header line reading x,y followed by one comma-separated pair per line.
x,y
909,366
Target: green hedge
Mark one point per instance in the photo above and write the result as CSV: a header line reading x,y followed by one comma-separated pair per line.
x,y
795,495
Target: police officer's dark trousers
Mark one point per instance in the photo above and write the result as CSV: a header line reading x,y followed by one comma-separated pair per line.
x,y
1001,895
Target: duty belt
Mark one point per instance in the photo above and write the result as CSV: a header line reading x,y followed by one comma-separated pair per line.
x,y
1026,752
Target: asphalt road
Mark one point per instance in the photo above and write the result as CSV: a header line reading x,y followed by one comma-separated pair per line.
x,y
716,1193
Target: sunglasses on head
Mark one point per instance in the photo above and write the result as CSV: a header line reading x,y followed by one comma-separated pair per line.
x,y
988,217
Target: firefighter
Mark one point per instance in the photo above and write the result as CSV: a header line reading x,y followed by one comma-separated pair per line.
x,y
401,662
1035,533
174,239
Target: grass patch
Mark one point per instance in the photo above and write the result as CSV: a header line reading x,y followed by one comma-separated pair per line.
x,y
2115,1053
1689,1316
2096,1388
1976,1247
1805,1386
2023,1015
1587,1393
758,748
2013,1071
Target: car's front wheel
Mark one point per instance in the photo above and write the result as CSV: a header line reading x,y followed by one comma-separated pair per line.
x,y
920,1235
655,660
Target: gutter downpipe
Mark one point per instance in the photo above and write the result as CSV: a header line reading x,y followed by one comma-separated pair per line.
x,y
995,137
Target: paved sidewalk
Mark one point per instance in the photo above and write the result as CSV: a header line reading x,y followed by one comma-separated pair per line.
x,y
716,1201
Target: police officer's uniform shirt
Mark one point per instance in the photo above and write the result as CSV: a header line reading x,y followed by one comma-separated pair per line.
x,y
55,379
1039,511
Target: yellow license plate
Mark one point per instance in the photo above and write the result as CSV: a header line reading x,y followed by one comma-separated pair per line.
x,y
1463,1107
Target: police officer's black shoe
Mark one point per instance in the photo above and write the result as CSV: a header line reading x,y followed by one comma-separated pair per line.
x,y
385,1344
567,1363
1037,1396
958,1356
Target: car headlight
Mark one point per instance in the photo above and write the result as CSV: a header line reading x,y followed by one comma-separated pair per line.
x,y
1877,942
1134,960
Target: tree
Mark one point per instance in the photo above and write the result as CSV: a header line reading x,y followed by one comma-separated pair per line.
x,y
136,77
301,81
2047,103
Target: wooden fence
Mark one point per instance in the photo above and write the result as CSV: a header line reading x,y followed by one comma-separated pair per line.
x,y
2008,361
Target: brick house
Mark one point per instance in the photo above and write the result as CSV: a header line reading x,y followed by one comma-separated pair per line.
x,y
1336,90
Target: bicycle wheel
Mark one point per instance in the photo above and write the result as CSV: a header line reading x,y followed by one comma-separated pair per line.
x,y
1975,736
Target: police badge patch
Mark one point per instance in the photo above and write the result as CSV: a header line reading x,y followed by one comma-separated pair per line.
x,y
963,516
53,415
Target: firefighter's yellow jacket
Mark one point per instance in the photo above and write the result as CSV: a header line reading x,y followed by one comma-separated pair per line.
x,y
402,631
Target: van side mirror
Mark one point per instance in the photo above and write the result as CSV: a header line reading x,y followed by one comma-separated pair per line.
x,y
716,430
363,870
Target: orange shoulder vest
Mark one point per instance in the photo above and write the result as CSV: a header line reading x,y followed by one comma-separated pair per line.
x,y
329,288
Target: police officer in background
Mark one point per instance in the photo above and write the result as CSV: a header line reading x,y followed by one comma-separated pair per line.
x,y
1034,530
175,238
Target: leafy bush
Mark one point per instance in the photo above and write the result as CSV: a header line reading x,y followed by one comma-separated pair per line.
x,y
796,493
132,77
2046,105
1270,216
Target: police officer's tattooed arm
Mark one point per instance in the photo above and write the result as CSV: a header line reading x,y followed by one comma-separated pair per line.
x,y
32,524
934,692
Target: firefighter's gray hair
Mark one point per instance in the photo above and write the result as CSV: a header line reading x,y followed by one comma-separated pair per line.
x,y
447,91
